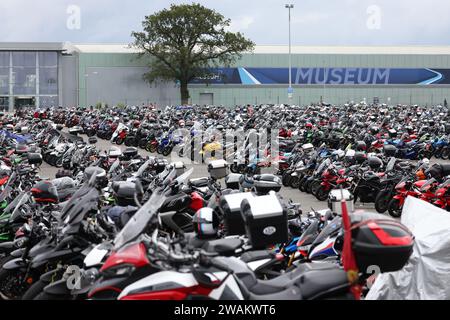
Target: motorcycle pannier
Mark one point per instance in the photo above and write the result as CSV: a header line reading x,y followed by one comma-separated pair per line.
x,y
265,221
380,242
232,181
34,158
179,167
389,150
218,169
335,198
266,182
230,206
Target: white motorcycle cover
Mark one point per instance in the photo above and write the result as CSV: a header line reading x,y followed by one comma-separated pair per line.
x,y
426,276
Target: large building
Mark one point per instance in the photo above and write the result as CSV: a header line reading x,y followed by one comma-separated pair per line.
x,y
65,74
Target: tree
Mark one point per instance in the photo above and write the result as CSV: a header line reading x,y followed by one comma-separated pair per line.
x,y
182,42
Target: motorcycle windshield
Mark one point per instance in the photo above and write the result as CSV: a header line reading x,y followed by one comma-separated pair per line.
x,y
427,184
141,219
330,228
114,166
390,165
13,204
323,166
142,168
23,198
7,190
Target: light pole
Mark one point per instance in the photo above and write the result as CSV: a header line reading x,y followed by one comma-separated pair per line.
x,y
290,91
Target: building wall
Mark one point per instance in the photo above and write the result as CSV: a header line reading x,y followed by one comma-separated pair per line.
x,y
117,78
417,94
69,80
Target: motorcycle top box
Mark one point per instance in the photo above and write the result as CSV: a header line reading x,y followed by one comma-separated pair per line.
x,y
130,153
34,158
389,150
264,183
230,206
379,241
218,169
160,164
266,222
232,181
307,147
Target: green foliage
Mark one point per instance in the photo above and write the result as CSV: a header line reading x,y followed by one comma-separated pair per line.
x,y
184,40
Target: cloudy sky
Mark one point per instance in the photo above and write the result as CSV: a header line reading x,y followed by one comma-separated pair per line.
x,y
314,22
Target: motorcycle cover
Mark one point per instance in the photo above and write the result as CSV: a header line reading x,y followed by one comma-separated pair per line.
x,y
425,277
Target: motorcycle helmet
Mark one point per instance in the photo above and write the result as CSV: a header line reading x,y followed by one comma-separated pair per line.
x,y
205,223
45,192
375,163
308,125
360,146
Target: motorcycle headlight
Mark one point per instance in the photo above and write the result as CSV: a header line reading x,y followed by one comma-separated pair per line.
x,y
121,270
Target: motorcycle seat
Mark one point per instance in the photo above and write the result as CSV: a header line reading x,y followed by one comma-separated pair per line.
x,y
199,183
224,247
251,256
320,283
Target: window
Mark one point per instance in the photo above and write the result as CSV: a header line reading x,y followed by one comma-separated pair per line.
x,y
48,59
48,81
24,59
4,59
4,80
24,80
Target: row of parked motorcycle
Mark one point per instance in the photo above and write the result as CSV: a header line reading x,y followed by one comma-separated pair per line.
x,y
117,225
381,179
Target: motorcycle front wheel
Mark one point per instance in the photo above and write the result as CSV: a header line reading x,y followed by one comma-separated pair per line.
x,y
394,208
322,194
382,201
295,182
166,151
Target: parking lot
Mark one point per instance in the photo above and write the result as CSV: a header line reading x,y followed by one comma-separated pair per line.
x,y
307,201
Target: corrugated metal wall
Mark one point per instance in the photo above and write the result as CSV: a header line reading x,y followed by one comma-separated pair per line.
x,y
114,78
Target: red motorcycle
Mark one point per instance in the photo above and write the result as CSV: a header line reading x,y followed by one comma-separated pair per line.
x,y
443,196
406,187
332,178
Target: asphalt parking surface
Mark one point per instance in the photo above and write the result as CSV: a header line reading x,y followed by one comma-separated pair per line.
x,y
307,201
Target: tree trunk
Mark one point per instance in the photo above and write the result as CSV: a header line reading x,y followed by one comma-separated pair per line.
x,y
184,92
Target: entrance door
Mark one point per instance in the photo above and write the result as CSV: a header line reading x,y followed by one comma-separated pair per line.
x,y
24,102
206,99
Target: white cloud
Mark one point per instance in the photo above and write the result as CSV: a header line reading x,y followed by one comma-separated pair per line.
x,y
264,21
241,23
